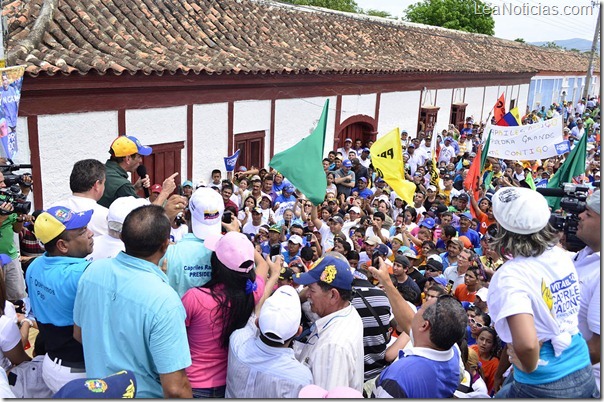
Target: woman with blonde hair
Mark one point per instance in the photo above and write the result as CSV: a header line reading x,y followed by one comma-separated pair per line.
x,y
534,302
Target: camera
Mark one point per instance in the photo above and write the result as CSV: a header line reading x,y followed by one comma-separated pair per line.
x,y
13,196
572,204
11,178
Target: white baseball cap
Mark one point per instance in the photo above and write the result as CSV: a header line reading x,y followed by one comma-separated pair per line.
x,y
120,208
520,210
280,315
482,293
296,239
355,209
206,207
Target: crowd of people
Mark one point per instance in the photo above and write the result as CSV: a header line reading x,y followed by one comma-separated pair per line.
x,y
241,287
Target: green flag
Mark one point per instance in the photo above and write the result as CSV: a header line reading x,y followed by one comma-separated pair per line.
x,y
485,151
573,166
529,180
302,164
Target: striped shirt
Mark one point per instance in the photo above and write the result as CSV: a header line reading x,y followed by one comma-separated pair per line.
x,y
374,339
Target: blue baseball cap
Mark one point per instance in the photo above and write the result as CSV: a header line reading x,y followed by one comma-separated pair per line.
x,y
466,215
188,183
346,163
329,269
119,385
56,220
142,149
289,188
428,222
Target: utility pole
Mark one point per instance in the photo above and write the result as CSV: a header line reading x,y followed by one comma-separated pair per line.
x,y
593,53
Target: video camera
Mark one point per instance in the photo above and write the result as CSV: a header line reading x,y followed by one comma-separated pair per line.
x,y
572,204
14,196
10,178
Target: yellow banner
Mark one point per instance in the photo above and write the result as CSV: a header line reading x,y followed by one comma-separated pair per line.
x,y
387,159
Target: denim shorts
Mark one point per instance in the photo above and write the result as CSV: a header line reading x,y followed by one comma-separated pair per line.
x,y
580,384
215,392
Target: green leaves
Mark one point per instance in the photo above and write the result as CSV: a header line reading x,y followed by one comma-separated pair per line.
x,y
462,15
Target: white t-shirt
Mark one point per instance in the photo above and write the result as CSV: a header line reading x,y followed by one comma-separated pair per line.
x,y
370,232
249,228
547,287
178,233
9,338
98,222
106,246
587,264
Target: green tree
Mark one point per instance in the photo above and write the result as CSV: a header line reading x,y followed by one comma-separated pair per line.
x,y
519,40
341,5
378,13
463,15
551,45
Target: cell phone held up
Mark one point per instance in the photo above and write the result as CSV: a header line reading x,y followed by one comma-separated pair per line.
x,y
227,217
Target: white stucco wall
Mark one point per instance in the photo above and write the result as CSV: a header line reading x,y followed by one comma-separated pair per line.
x,y
443,101
297,118
64,139
523,98
353,105
474,100
23,155
250,116
158,126
210,139
490,98
399,109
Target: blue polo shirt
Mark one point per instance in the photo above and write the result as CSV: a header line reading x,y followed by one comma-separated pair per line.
x,y
365,193
52,283
473,236
131,319
189,264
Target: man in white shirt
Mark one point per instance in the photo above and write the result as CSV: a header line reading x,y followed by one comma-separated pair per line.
x,y
587,263
334,349
252,226
416,158
109,245
578,130
446,151
346,148
87,184
261,364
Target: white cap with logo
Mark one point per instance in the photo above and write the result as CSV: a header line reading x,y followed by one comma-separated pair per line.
x,y
120,208
206,207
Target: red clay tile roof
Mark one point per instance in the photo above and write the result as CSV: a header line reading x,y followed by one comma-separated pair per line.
x,y
247,36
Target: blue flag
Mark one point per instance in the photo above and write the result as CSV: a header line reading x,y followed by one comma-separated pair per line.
x,y
231,161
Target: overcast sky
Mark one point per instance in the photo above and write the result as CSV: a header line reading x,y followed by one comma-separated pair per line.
x,y
532,28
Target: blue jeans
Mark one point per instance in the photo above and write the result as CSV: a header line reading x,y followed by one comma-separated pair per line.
x,y
580,384
215,392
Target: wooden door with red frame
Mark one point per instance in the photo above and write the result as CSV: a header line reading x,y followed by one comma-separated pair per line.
x,y
163,162
355,131
251,149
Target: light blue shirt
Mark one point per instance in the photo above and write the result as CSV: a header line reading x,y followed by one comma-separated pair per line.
x,y
256,370
189,264
52,283
131,319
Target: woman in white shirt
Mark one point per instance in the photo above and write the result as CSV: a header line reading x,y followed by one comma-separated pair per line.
x,y
534,302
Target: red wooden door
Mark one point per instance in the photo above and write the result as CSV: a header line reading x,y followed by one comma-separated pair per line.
x,y
163,162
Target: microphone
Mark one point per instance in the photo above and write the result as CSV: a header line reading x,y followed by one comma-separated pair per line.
x,y
551,192
141,170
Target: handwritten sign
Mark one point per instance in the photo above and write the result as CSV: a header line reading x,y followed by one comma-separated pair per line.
x,y
528,142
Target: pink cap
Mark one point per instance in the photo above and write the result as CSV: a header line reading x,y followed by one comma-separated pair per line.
x,y
233,249
314,391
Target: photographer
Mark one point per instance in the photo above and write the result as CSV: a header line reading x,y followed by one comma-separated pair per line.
x,y
587,263
12,222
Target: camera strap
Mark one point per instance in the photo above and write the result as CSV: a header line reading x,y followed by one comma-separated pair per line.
x,y
383,328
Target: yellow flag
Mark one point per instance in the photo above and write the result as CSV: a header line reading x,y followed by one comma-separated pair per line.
x,y
387,159
516,114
